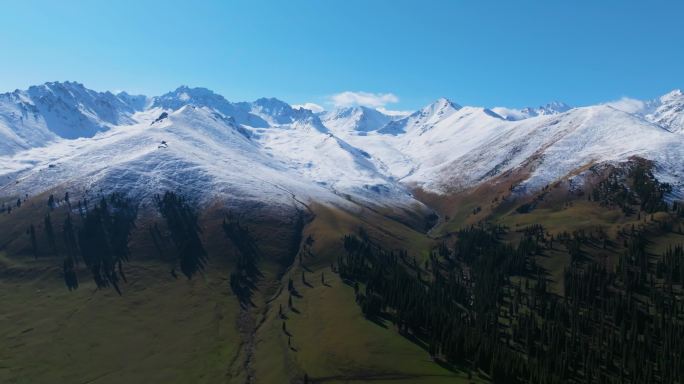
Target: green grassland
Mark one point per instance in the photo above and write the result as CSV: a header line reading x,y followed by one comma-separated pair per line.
x,y
163,329
331,341
160,330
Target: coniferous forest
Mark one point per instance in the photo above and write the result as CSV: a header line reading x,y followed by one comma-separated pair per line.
x,y
483,302
486,305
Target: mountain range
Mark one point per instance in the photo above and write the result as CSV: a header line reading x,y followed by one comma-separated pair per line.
x,y
189,238
64,135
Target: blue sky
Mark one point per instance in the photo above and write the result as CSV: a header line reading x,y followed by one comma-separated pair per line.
x,y
407,53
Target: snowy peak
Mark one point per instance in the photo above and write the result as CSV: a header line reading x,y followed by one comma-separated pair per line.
x,y
137,102
203,97
355,119
54,110
185,95
104,106
440,108
206,121
552,108
668,111
424,119
512,114
262,113
672,96
278,112
431,114
273,107
472,147
442,147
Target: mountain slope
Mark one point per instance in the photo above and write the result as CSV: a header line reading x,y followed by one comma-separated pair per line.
x,y
209,157
45,113
62,134
669,112
203,97
472,145
355,120
423,119
666,111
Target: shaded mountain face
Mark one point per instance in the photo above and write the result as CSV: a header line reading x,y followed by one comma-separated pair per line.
x,y
47,112
72,111
63,134
137,102
279,113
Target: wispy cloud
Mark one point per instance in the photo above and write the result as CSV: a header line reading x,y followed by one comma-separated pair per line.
x,y
627,104
310,106
391,112
366,99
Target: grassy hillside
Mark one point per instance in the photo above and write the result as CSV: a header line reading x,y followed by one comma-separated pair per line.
x,y
160,330
294,318
331,341
326,336
163,329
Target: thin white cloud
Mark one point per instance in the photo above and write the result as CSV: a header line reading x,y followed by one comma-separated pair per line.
x,y
391,112
627,104
366,99
310,106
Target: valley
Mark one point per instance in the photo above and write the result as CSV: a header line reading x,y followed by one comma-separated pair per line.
x,y
254,242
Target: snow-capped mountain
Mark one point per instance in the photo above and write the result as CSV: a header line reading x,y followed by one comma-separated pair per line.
x,y
443,149
262,113
355,120
278,112
423,119
552,147
669,111
137,102
203,97
62,135
513,114
666,111
51,111
195,141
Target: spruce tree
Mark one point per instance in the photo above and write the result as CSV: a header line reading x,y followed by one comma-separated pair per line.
x,y
49,231
34,243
